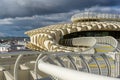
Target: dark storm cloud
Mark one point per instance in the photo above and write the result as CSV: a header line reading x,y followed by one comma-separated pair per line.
x,y
26,23
21,8
17,26
18,16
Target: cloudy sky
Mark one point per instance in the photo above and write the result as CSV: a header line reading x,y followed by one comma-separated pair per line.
x,y
18,16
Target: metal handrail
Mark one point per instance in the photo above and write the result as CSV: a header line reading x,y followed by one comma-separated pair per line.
x,y
84,60
68,74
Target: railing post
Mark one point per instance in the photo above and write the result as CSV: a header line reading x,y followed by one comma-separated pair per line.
x,y
117,64
99,68
107,64
36,63
16,66
86,63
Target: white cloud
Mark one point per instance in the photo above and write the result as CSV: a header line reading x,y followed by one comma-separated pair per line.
x,y
5,21
56,17
2,34
104,9
20,24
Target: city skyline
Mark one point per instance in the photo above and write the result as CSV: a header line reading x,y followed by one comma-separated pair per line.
x,y
18,16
